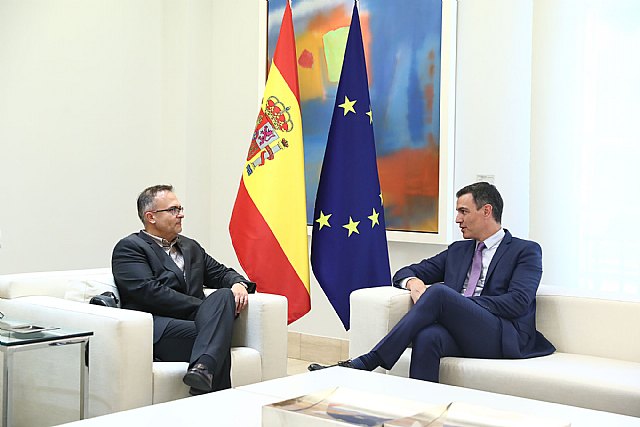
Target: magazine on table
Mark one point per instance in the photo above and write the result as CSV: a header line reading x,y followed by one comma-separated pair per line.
x,y
20,327
341,406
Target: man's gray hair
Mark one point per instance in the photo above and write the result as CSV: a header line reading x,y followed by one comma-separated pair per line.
x,y
147,197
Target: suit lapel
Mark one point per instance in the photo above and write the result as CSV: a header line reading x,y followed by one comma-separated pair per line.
x,y
186,254
466,264
502,249
166,260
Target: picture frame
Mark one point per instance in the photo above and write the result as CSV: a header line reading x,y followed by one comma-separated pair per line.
x,y
441,220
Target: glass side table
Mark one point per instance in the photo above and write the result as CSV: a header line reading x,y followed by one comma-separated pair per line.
x,y
35,337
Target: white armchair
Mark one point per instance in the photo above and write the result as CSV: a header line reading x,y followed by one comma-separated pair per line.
x,y
122,374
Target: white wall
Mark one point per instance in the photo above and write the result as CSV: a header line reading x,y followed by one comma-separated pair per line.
x,y
585,147
557,114
238,81
99,99
493,102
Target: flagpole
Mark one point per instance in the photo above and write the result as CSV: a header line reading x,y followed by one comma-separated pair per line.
x,y
266,48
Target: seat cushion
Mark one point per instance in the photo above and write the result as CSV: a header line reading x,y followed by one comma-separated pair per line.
x,y
246,366
571,379
167,381
167,376
83,290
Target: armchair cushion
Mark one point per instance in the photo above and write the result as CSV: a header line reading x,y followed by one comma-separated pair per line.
x,y
84,290
76,285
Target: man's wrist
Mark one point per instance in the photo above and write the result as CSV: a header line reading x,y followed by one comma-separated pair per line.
x,y
404,282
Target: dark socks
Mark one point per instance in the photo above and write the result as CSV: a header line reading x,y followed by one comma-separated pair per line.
x,y
208,362
367,362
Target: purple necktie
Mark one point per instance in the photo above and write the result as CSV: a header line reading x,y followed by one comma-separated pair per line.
x,y
476,269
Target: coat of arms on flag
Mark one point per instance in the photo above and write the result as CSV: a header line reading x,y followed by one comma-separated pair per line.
x,y
274,121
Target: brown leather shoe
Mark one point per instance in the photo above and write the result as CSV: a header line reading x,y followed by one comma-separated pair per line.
x,y
199,378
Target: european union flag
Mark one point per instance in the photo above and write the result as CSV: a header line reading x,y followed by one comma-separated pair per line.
x,y
349,245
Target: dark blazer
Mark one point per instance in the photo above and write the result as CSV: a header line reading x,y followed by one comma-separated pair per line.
x,y
149,280
509,289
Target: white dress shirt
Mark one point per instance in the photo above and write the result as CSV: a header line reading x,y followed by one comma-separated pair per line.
x,y
488,252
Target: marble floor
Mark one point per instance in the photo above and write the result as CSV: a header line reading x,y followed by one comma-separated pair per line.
x,y
297,366
304,349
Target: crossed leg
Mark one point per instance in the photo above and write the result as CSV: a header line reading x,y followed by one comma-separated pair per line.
x,y
442,323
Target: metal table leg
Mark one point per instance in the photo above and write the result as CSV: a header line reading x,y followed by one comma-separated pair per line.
x,y
84,376
6,392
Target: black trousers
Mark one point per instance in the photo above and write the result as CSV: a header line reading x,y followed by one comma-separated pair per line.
x,y
207,338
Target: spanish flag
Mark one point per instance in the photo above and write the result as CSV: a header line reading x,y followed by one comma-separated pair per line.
x,y
268,225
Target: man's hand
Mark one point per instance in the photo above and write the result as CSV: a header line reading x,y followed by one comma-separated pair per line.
x,y
241,295
417,288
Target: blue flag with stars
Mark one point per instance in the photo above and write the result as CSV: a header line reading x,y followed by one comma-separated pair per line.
x,y
349,245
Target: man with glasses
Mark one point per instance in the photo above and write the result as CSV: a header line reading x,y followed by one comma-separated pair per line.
x,y
161,272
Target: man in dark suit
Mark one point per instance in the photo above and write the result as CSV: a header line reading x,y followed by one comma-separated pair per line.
x,y
476,299
161,272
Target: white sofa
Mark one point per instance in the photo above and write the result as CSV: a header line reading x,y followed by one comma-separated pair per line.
x,y
596,365
122,374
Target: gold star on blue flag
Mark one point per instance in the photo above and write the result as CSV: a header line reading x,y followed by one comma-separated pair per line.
x,y
351,256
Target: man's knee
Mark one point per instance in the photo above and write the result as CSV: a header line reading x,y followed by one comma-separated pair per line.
x,y
436,294
222,301
429,337
217,306
435,339
439,289
223,295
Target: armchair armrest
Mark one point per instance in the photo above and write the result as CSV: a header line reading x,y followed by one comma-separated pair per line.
x,y
121,354
263,326
374,312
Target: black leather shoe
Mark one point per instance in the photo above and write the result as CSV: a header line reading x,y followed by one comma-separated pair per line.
x,y
342,363
196,392
346,364
199,378
317,367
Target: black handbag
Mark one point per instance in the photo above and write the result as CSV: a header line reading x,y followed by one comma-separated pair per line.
x,y
107,299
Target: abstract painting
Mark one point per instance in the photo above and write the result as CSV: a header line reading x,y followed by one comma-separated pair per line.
x,y
402,42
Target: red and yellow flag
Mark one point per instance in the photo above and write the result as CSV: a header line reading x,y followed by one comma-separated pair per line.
x,y
268,225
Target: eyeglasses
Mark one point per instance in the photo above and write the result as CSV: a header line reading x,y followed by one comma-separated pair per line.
x,y
173,210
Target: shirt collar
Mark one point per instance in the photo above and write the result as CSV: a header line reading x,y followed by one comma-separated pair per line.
x,y
494,239
164,243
